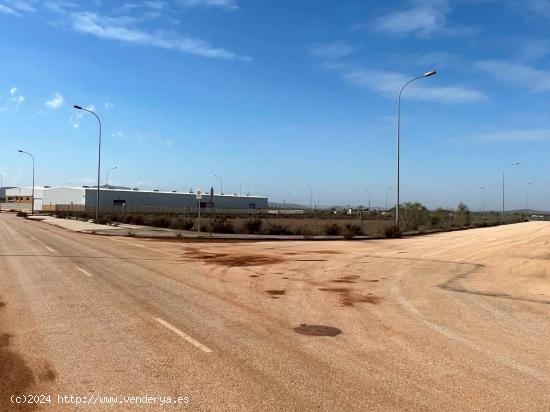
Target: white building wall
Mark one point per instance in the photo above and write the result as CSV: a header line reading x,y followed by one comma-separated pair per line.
x,y
64,196
25,191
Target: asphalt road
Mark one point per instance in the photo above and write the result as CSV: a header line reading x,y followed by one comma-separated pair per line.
x,y
455,321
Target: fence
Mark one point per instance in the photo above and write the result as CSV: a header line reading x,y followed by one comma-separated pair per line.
x,y
149,210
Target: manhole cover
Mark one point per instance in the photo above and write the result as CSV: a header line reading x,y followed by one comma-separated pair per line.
x,y
317,330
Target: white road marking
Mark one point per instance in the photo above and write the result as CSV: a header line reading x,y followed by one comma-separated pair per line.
x,y
183,335
50,249
85,272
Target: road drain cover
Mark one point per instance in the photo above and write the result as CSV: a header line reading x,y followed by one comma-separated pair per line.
x,y
317,330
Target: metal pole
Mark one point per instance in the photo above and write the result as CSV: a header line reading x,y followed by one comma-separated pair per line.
x,y
32,196
527,199
199,214
431,73
311,199
502,213
221,183
98,159
503,175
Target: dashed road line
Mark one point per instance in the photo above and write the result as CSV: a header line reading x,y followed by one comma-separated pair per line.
x,y
183,335
85,272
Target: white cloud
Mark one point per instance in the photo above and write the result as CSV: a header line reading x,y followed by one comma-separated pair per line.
x,y
521,75
8,10
159,5
55,102
108,105
75,119
60,6
16,98
120,135
225,4
105,27
421,21
423,18
518,135
331,51
21,5
389,83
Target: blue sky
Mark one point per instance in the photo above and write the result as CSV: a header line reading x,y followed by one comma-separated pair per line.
x,y
283,95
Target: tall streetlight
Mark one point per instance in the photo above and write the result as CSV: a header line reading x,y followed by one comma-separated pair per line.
x,y
241,187
527,198
98,159
503,173
428,74
221,183
484,197
32,157
108,172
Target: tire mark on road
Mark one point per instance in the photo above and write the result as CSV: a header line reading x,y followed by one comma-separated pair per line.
x,y
454,336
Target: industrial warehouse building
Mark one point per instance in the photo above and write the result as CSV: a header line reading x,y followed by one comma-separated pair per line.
x,y
21,197
133,200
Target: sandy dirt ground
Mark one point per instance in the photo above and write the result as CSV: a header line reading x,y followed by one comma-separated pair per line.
x,y
454,321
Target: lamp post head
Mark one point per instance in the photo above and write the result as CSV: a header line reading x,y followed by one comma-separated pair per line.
x,y
430,73
20,151
76,106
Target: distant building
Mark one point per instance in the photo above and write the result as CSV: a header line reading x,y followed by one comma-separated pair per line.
x,y
85,197
3,193
22,196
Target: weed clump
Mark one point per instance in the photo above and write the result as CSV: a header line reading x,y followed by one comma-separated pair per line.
x,y
252,226
352,230
333,229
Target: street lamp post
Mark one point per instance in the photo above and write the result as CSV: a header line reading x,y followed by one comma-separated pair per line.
x,y
98,159
368,198
319,199
32,196
108,172
221,183
503,173
241,187
484,197
428,74
527,199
